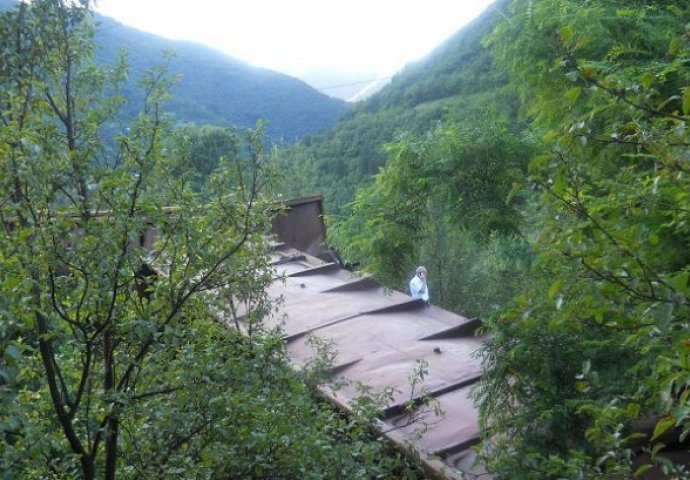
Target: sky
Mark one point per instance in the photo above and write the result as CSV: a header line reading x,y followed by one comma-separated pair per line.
x,y
297,36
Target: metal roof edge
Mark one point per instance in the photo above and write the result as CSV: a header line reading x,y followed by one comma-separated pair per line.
x,y
326,267
466,329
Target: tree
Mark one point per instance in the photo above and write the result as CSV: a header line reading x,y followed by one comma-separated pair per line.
x,y
200,148
96,329
600,344
445,200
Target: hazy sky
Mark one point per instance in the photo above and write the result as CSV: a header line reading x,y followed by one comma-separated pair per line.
x,y
294,36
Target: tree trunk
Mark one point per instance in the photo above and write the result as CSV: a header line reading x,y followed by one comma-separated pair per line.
x,y
112,424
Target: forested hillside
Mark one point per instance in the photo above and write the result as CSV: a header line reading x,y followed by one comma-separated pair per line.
x,y
567,231
219,90
213,88
455,83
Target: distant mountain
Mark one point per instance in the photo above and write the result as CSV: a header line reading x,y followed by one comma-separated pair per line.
x,y
456,82
215,88
348,86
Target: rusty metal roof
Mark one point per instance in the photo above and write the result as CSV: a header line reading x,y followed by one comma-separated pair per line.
x,y
380,336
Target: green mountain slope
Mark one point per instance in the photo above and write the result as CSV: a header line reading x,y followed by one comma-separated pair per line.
x,y
456,82
220,90
215,88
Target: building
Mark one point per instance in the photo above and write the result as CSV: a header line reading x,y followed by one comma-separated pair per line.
x,y
382,341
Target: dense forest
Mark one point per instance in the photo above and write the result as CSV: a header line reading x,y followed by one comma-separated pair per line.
x,y
457,82
548,194
536,163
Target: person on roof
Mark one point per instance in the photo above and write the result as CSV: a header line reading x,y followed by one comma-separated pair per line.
x,y
418,285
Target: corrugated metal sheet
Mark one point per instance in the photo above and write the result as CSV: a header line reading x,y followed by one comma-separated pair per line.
x,y
380,337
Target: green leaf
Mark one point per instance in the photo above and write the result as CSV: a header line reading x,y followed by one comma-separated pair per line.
x,y
657,448
13,352
684,396
573,94
664,316
555,288
684,434
663,426
549,136
566,34
633,410
686,100
647,80
675,45
539,163
588,72
642,469
582,386
680,282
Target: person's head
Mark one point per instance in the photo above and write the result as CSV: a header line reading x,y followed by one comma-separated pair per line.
x,y
421,272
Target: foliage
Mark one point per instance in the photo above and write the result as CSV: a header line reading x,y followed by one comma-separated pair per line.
x,y
113,359
437,200
456,83
214,89
601,342
199,150
217,89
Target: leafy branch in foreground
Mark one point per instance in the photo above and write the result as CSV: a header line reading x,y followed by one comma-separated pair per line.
x,y
72,252
593,361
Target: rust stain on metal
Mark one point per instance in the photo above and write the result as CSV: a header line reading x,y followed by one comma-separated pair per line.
x,y
380,337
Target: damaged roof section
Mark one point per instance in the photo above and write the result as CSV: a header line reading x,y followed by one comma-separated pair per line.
x,y
380,339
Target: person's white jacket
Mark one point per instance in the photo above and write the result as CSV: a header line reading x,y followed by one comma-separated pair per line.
x,y
419,288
